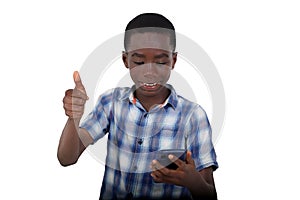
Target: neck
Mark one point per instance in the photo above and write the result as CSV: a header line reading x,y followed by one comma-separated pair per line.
x,y
149,102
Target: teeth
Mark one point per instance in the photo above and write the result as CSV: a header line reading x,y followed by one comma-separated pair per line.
x,y
150,84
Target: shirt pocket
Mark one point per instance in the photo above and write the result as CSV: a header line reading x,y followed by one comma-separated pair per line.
x,y
171,139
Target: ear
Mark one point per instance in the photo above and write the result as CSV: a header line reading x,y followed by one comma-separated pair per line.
x,y
125,59
174,59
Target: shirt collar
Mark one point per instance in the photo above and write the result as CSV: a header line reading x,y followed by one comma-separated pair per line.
x,y
171,100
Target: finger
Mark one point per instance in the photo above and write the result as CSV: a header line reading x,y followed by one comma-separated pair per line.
x,y
160,168
189,159
74,108
155,177
71,113
152,166
74,101
78,83
74,115
176,160
156,165
157,174
76,93
161,178
69,92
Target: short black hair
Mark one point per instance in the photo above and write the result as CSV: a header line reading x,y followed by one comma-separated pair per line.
x,y
152,22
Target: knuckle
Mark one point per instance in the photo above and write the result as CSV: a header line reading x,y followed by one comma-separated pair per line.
x,y
76,92
67,106
77,101
80,101
67,113
83,101
180,176
69,92
167,172
82,96
66,99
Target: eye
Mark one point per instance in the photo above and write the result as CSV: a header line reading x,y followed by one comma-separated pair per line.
x,y
138,63
162,63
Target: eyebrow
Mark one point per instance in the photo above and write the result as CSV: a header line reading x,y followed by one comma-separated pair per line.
x,y
138,55
162,55
157,56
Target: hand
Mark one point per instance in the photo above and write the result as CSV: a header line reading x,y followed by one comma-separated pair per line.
x,y
75,99
184,175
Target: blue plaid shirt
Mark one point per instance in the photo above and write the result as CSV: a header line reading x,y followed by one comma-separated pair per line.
x,y
135,136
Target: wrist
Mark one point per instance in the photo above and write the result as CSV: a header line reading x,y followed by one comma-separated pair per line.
x,y
198,187
194,182
74,121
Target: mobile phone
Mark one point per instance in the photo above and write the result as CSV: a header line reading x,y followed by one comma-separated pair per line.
x,y
163,159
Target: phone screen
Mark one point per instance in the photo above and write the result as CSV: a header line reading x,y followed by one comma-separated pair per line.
x,y
166,162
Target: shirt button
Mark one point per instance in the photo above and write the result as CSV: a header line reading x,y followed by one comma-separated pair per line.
x,y
140,141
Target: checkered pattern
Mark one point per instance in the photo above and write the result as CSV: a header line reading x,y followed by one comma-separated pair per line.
x,y
135,136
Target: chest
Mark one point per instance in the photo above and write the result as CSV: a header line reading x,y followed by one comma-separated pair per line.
x,y
135,130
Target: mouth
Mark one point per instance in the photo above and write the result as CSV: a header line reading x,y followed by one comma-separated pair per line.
x,y
149,86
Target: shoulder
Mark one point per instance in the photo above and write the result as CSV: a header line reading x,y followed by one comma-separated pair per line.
x,y
190,106
113,95
184,105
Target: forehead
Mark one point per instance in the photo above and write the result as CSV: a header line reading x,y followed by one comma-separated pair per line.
x,y
149,40
150,53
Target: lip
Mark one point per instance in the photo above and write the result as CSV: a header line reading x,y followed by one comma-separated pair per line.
x,y
149,86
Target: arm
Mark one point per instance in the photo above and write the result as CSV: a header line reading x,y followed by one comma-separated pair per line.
x,y
200,183
73,140
205,187
72,143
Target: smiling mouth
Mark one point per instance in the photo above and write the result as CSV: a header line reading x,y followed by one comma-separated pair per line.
x,y
149,86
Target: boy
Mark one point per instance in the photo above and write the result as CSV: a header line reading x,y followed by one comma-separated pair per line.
x,y
142,120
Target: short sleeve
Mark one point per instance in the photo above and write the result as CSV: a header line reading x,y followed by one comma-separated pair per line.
x,y
97,122
199,139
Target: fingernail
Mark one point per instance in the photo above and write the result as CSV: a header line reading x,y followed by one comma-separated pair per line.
x,y
75,75
171,157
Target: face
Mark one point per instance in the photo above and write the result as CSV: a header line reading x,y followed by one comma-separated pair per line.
x,y
150,61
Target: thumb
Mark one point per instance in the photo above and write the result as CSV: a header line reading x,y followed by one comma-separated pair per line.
x,y
78,84
77,80
189,158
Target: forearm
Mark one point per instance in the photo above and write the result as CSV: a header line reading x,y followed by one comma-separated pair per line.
x,y
201,189
70,145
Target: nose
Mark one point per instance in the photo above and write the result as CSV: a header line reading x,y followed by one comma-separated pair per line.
x,y
150,70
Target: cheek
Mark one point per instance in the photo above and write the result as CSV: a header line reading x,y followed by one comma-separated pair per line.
x,y
140,72
165,75
135,74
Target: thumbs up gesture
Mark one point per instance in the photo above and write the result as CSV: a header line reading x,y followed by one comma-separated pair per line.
x,y
75,99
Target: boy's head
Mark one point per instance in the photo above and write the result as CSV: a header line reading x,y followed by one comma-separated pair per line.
x,y
153,24
149,44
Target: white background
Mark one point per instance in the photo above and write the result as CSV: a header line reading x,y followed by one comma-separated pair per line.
x,y
255,46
